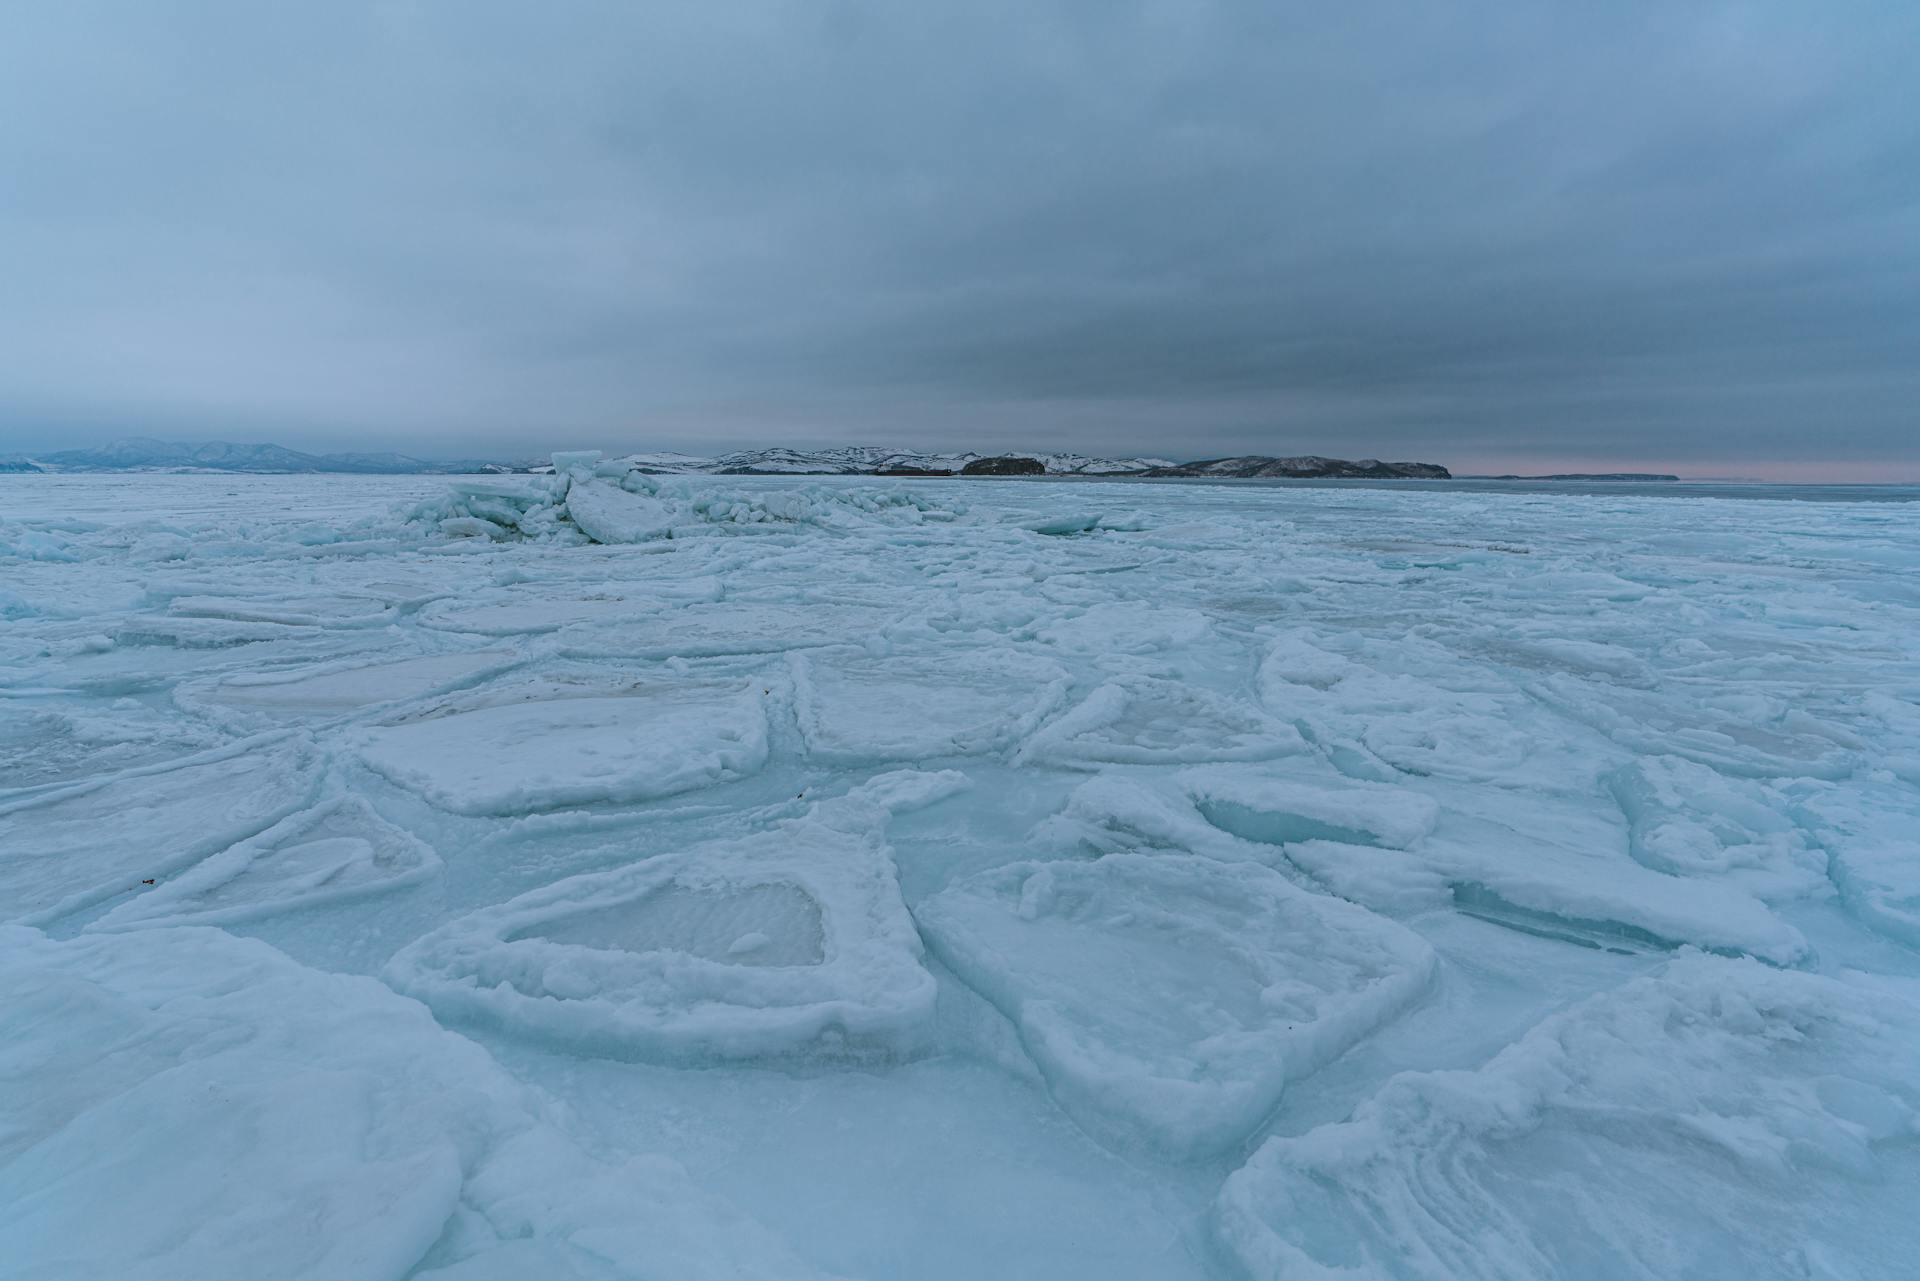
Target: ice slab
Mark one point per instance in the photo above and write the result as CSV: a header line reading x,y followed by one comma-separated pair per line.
x,y
648,741
526,611
43,744
1716,1120
1732,736
1142,720
1396,849
1127,627
1074,523
1870,829
333,688
292,610
64,849
920,707
1686,819
1415,710
790,942
607,513
1281,810
338,850
199,633
1169,1000
183,1103
704,630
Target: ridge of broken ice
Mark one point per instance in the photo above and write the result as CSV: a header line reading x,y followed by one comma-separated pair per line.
x,y
587,500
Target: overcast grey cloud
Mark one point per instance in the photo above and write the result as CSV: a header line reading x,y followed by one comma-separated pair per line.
x,y
1488,234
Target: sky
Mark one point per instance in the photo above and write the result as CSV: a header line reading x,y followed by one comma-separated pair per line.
x,y
1497,234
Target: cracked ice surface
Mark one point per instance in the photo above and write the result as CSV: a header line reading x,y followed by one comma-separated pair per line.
x,y
608,876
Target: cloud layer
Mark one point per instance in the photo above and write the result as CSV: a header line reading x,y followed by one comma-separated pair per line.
x,y
1488,234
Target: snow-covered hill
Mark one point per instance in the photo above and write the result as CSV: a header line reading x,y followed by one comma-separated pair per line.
x,y
852,460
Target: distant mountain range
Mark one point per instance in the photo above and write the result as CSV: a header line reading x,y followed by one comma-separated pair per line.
x,y
853,460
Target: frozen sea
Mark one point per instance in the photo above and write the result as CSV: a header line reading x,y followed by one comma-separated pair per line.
x,y
607,876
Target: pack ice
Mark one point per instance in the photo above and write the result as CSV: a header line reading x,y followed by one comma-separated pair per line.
x,y
610,874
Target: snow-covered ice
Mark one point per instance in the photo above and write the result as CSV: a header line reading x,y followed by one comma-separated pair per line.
x,y
183,1103
1714,1120
338,849
791,939
1172,996
627,873
546,747
80,844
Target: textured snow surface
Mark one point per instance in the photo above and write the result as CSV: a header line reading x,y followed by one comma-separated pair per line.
x,y
1714,1120
615,874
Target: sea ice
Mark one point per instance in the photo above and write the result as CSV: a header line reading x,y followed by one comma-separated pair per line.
x,y
44,744
607,513
1492,861
73,846
1143,721
723,627
790,942
332,610
1870,830
1716,1120
855,709
1289,811
333,688
1689,820
1170,999
337,850
530,610
204,1107
644,742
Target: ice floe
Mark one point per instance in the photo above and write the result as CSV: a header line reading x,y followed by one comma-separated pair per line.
x,y
1170,999
338,850
545,750
334,688
790,942
1870,831
1686,819
1718,1120
1399,850
76,845
333,610
854,708
44,743
1143,720
712,629
204,1107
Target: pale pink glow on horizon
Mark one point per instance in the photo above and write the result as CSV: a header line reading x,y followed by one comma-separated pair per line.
x,y
1846,472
